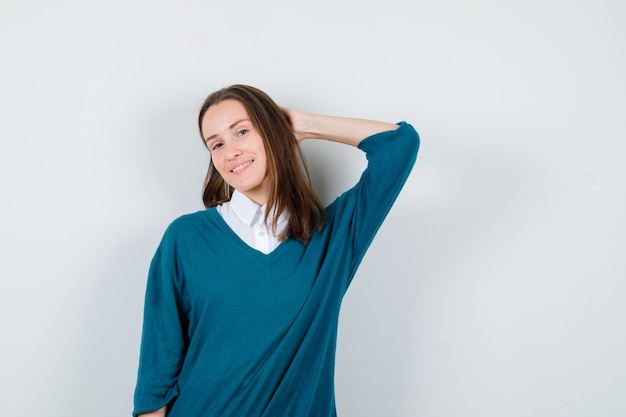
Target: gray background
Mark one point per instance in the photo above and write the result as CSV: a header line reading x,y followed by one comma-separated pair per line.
x,y
496,286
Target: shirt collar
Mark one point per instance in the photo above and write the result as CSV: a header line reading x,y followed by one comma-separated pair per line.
x,y
246,209
250,212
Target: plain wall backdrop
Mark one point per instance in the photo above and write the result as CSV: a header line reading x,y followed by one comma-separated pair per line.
x,y
496,286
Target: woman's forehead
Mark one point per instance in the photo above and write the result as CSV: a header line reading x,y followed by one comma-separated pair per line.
x,y
222,117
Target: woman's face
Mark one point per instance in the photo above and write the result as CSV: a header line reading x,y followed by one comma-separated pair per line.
x,y
237,150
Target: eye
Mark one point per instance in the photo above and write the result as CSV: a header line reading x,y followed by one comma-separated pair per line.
x,y
242,132
215,146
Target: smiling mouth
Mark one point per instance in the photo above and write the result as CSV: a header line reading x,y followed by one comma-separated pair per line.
x,y
242,167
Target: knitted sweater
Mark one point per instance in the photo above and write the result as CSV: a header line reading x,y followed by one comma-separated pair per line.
x,y
231,332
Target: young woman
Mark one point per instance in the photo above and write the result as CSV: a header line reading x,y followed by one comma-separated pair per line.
x,y
243,298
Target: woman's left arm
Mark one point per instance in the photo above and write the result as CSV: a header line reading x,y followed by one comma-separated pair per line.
x,y
346,130
391,150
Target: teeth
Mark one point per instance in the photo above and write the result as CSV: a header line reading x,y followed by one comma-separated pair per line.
x,y
240,167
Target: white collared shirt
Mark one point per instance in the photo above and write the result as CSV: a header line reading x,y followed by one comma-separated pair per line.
x,y
245,218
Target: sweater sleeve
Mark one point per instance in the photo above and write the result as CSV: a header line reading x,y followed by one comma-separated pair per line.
x,y
163,343
391,156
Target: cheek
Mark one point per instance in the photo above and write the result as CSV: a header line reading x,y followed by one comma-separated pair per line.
x,y
266,171
263,162
217,166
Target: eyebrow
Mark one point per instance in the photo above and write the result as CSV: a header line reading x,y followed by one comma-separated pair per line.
x,y
213,136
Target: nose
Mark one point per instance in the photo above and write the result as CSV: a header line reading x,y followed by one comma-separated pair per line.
x,y
232,152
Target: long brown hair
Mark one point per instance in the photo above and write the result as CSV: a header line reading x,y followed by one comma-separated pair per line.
x,y
290,186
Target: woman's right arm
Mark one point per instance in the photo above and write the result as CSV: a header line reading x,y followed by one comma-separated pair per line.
x,y
157,413
163,341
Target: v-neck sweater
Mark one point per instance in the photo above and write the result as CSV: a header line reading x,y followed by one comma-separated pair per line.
x,y
232,332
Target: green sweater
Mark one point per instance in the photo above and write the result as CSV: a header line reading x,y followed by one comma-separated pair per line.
x,y
231,332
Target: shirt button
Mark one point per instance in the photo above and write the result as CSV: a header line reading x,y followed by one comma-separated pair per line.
x,y
261,233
